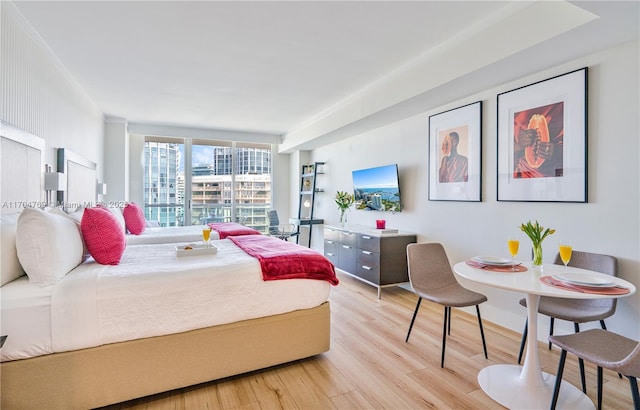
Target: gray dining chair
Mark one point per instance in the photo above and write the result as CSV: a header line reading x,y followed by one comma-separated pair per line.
x,y
606,350
431,278
577,310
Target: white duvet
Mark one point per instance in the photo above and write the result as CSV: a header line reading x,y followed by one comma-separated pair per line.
x,y
172,234
152,292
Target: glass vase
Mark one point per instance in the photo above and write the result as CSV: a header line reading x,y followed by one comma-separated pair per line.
x,y
537,254
343,217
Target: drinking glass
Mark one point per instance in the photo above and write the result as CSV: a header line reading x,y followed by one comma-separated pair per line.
x,y
206,233
565,252
514,245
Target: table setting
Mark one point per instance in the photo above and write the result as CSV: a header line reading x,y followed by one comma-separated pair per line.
x,y
527,386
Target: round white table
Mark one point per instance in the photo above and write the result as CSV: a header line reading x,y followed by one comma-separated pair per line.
x,y
527,386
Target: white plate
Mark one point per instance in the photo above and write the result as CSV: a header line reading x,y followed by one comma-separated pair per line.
x,y
492,260
583,279
194,249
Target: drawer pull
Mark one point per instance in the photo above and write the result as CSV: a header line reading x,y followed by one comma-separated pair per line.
x,y
329,254
346,246
331,242
366,237
365,267
367,252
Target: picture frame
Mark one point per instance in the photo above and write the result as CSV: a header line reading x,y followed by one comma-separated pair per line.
x,y
542,140
455,161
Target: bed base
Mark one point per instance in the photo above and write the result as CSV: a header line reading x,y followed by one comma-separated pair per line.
x,y
118,372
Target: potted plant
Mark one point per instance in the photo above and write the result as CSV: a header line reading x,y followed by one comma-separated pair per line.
x,y
344,200
536,233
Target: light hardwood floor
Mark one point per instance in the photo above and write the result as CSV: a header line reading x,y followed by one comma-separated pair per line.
x,y
369,365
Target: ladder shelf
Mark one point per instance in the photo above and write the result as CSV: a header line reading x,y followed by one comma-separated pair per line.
x,y
306,204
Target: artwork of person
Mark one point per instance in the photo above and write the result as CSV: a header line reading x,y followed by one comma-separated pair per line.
x,y
453,167
537,144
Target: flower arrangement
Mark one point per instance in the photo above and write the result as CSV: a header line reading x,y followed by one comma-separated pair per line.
x,y
344,200
536,233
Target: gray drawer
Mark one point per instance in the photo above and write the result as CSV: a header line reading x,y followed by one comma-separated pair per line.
x,y
331,250
369,242
369,273
331,234
347,258
368,258
348,238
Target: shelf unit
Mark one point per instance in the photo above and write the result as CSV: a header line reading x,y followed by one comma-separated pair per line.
x,y
307,198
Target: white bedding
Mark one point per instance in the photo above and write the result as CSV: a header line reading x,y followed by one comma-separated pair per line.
x,y
99,304
172,234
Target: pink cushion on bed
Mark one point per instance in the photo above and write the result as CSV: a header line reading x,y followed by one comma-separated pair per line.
x,y
134,218
103,235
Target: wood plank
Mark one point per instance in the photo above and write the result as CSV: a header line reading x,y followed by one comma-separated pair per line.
x,y
370,366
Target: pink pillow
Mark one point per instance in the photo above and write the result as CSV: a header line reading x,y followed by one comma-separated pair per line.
x,y
103,235
134,218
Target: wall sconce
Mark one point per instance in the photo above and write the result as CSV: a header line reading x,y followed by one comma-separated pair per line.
x,y
101,188
54,182
306,203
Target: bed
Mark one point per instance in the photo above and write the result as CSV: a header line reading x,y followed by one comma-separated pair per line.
x,y
79,193
173,234
107,365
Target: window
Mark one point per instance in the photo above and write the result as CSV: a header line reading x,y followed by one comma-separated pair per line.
x,y
195,182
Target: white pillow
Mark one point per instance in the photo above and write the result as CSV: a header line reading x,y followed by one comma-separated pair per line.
x,y
76,217
119,216
10,268
48,245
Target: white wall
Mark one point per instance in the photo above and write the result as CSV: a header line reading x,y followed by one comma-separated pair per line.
x,y
608,223
40,97
116,160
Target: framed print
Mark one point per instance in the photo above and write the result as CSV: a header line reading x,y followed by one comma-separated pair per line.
x,y
455,144
542,137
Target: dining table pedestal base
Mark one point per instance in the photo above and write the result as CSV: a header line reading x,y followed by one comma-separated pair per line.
x,y
504,383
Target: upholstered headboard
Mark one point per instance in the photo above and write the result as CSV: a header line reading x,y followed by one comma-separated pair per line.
x,y
81,179
22,169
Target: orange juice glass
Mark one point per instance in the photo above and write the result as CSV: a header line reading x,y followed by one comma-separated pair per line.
x,y
565,249
514,245
206,234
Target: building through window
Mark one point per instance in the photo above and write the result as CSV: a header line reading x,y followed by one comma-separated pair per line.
x,y
194,182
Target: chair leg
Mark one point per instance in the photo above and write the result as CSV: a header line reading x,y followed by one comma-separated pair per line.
x,y
599,388
552,322
523,342
413,319
444,334
484,344
576,327
556,389
634,392
449,321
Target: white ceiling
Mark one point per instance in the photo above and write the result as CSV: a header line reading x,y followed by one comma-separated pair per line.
x,y
271,67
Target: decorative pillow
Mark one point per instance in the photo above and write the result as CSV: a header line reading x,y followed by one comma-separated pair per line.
x,y
134,218
76,217
10,268
48,245
103,235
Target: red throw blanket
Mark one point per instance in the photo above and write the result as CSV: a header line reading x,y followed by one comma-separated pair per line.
x,y
226,229
286,260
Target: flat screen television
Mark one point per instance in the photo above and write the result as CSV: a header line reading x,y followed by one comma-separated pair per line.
x,y
377,189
